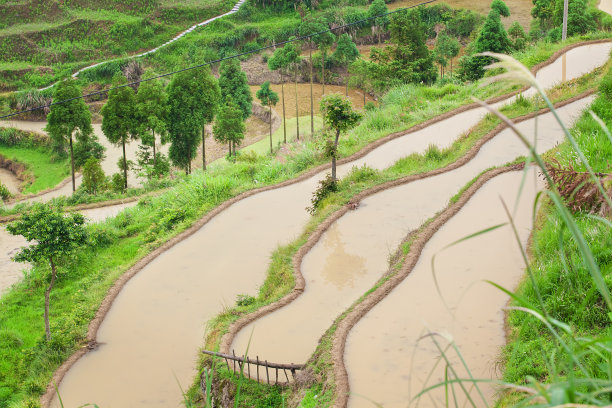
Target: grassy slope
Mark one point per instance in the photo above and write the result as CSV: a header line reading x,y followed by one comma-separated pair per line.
x,y
567,288
47,173
59,39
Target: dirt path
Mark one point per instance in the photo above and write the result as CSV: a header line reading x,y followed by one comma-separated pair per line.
x,y
184,283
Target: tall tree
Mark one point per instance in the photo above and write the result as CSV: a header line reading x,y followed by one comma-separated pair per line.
x,y
338,114
119,122
268,98
446,49
234,85
193,97
377,12
279,62
345,54
308,27
67,118
54,237
229,126
324,42
152,114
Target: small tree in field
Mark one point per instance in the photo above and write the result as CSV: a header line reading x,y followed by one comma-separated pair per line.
x,y
152,112
67,118
338,114
55,237
229,126
268,98
93,176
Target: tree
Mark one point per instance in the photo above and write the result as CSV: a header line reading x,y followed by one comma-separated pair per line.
x,y
446,49
379,24
307,27
268,98
119,122
409,59
518,36
278,62
234,85
501,8
93,176
229,126
152,113
579,19
324,42
54,237
338,114
67,118
345,54
493,38
193,97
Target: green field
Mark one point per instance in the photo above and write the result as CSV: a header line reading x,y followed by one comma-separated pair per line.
x,y
47,172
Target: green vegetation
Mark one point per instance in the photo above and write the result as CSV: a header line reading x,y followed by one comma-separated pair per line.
x,y
269,98
563,286
47,172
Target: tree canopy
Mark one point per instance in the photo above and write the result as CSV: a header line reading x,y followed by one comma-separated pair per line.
x,y
229,126
234,85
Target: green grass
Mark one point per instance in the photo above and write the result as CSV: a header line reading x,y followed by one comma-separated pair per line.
x,y
263,146
563,280
47,173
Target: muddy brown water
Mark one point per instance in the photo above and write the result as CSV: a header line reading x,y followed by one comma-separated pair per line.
x,y
386,361
353,254
11,272
150,337
10,181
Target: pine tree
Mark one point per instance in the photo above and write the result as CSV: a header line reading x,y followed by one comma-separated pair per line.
x,y
234,86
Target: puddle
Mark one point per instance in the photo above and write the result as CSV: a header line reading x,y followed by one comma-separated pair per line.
x,y
358,246
396,365
11,272
10,181
151,336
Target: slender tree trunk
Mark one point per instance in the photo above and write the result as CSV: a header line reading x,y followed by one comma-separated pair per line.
x,y
234,148
347,80
311,99
334,155
364,98
323,70
47,295
297,111
204,148
451,61
441,75
154,154
284,119
72,164
124,165
270,107
229,147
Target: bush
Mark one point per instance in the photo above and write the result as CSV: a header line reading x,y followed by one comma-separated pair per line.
x,y
118,183
326,187
94,179
5,194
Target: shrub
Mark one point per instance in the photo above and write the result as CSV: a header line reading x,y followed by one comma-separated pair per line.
x,y
5,194
118,183
94,179
326,186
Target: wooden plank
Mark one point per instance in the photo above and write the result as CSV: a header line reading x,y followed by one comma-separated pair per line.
x,y
267,373
271,365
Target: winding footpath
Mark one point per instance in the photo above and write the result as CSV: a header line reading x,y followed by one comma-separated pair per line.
x,y
150,327
176,38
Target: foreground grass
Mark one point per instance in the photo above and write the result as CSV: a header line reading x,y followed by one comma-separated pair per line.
x,y
47,172
563,281
280,279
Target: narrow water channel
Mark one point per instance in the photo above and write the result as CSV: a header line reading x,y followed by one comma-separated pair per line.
x,y
149,340
386,361
353,254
